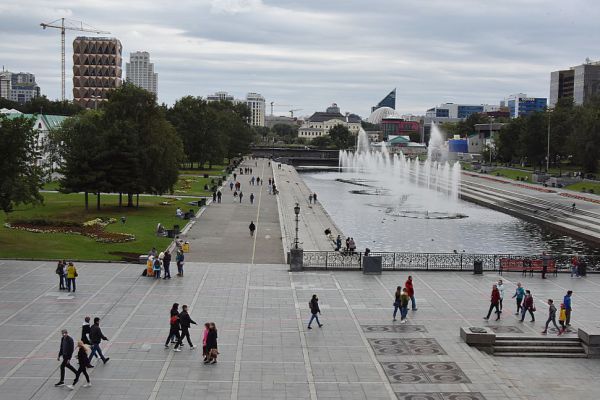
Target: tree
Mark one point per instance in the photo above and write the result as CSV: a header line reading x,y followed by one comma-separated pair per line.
x,y
507,143
341,138
321,142
21,178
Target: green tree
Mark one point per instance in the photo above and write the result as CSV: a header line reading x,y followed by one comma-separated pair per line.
x,y
21,178
507,142
321,142
341,138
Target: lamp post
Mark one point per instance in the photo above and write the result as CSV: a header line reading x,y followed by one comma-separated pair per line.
x,y
548,151
297,212
95,97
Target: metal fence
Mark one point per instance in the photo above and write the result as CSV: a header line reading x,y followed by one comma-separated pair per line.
x,y
338,260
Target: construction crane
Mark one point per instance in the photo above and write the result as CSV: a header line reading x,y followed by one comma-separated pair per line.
x,y
295,109
71,25
280,105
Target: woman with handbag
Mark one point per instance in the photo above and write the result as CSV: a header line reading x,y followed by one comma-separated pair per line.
x,y
71,275
211,344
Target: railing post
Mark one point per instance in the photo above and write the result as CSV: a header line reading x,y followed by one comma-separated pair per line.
x,y
326,258
394,268
427,262
359,261
461,264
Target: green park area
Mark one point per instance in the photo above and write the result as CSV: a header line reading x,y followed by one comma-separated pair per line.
x,y
62,212
513,174
585,186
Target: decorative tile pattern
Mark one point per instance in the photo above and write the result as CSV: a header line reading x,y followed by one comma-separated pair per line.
x,y
394,328
416,346
506,329
424,372
440,396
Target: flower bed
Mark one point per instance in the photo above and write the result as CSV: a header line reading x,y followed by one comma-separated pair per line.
x,y
93,230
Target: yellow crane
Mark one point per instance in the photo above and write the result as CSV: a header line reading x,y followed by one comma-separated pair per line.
x,y
71,25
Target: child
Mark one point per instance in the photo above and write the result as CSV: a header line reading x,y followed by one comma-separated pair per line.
x,y
551,317
562,317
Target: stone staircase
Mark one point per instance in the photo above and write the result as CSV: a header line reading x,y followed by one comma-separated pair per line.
x,y
545,346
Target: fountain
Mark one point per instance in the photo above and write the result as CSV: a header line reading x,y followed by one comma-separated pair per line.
x,y
434,182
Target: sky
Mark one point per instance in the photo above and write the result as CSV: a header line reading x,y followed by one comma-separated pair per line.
x,y
307,54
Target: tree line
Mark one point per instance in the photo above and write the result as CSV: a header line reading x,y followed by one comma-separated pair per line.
x,y
129,145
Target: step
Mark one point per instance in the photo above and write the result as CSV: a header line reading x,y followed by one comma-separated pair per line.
x,y
530,343
538,349
546,355
539,338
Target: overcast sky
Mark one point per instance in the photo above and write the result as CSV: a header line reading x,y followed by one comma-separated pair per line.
x,y
310,53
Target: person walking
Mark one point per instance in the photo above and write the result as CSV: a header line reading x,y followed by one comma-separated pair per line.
x,y
404,305
519,294
315,198
83,351
167,264
562,317
338,243
179,258
252,228
219,195
174,311
231,184
310,198
71,276
410,290
551,317
156,268
241,195
60,271
500,286
528,306
251,198
96,336
546,260
204,338
214,197
211,344
174,328
568,309
397,299
314,310
575,266
185,321
494,303
67,346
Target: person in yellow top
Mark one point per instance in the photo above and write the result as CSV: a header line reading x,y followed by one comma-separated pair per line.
x,y
71,276
562,317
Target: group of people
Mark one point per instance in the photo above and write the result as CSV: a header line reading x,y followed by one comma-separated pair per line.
x,y
350,244
161,262
312,198
67,275
87,348
181,322
525,304
401,299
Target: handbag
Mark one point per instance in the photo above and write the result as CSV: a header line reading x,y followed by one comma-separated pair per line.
x,y
76,274
213,353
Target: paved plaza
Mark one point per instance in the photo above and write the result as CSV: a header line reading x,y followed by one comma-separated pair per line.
x,y
261,312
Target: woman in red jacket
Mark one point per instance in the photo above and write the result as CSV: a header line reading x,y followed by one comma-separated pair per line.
x,y
528,306
410,290
494,302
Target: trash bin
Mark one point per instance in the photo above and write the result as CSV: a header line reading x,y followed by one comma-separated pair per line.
x,y
186,247
477,267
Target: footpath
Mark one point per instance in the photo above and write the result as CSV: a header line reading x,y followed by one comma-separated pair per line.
x,y
221,234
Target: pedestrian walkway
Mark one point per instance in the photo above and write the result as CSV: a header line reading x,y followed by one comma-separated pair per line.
x,y
221,234
266,352
313,219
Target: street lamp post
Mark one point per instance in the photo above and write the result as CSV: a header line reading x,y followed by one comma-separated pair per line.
x,y
297,212
548,151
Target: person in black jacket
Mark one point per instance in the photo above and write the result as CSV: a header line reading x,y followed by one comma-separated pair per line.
x,y
96,337
314,310
82,357
66,352
174,328
211,344
85,334
174,312
184,321
166,264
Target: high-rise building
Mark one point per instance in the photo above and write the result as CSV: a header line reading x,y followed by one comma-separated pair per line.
x,y
220,96
579,83
256,104
387,101
453,111
520,105
140,71
97,69
19,87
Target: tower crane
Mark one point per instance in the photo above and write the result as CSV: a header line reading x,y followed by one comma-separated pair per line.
x,y
292,111
279,105
65,24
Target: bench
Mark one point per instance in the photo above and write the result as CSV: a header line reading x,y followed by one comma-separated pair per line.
x,y
516,265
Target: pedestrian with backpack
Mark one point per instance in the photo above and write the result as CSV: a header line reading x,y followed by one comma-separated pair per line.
x,y
313,304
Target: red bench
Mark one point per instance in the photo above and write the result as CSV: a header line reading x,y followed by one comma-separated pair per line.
x,y
516,265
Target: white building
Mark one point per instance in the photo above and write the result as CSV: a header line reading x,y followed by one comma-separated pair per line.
x,y
140,71
256,104
18,87
220,96
320,123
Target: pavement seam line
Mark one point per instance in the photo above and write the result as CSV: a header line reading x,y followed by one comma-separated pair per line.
x,y
257,216
375,361
307,365
22,276
167,363
120,329
61,325
20,310
235,386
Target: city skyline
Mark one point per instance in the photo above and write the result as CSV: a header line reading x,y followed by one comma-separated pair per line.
x,y
341,52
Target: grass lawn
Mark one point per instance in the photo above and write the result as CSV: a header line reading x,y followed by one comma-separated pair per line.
x,y
216,170
53,185
70,207
579,186
512,174
189,185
